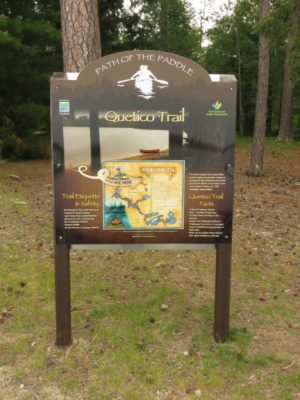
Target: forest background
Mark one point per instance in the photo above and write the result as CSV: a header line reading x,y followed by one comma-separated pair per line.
x,y
31,50
142,321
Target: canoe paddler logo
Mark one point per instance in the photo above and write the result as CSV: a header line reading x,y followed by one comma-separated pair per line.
x,y
145,82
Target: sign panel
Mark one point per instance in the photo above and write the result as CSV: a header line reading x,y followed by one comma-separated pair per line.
x,y
143,151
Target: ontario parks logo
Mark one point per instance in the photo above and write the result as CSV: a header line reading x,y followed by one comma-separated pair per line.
x,y
216,110
64,107
145,82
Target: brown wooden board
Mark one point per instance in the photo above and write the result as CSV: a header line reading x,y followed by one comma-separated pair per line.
x,y
143,155
143,152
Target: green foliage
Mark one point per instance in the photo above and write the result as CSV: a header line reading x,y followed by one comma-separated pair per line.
x,y
283,24
233,42
162,25
111,24
29,51
15,148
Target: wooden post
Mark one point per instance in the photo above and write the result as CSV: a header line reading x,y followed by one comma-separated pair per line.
x,y
62,295
95,140
222,292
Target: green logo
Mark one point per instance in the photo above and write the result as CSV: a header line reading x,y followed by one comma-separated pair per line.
x,y
216,110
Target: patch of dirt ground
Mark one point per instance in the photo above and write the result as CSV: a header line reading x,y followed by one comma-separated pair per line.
x,y
265,277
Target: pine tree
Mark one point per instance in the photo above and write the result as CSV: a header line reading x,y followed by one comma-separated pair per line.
x,y
162,25
285,129
30,51
80,33
257,154
233,49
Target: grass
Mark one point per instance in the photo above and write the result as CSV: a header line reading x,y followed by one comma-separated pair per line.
x,y
118,351
270,142
125,345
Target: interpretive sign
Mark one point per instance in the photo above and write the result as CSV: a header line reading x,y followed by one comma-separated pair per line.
x,y
143,151
143,157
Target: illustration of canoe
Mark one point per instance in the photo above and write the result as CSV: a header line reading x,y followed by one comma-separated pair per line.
x,y
150,151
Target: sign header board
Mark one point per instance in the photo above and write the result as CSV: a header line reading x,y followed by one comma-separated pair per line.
x,y
143,152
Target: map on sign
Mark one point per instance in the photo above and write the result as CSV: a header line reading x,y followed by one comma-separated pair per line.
x,y
143,195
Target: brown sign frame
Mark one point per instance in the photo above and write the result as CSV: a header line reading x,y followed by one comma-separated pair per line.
x,y
219,146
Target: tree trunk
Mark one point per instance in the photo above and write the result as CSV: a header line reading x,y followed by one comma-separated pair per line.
x,y
241,110
286,101
257,154
80,33
285,129
164,5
